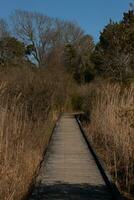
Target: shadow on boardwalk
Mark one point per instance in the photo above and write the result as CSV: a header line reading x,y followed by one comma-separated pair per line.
x,y
70,192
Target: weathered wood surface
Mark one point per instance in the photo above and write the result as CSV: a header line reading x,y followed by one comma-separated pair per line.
x,y
69,171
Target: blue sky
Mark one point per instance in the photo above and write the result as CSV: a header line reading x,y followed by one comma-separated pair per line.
x,y
92,15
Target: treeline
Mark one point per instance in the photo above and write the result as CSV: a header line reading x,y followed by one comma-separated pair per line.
x,y
43,41
111,58
114,53
46,41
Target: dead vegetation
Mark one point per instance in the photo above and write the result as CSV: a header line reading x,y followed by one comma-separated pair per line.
x,y
30,102
111,128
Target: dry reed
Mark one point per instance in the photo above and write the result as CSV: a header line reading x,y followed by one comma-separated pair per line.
x,y
111,128
29,106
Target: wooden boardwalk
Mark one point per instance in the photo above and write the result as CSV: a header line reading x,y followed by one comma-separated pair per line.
x,y
69,171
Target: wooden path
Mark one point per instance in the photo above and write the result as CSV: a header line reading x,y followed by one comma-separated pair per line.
x,y
69,171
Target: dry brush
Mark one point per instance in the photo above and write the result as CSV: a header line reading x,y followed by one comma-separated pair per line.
x,y
111,128
30,102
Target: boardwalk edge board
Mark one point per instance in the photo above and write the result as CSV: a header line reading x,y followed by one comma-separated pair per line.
x,y
106,176
32,185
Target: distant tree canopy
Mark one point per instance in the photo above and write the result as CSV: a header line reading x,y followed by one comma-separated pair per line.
x,y
42,34
11,51
47,41
77,59
114,53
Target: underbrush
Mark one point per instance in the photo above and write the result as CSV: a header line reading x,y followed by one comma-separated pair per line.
x,y
110,107
30,102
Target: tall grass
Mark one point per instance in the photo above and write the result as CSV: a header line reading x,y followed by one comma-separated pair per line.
x,y
29,106
111,128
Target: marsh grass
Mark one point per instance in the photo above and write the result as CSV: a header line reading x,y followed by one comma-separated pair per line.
x,y
30,102
111,128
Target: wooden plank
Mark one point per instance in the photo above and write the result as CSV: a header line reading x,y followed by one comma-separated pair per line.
x,y
69,170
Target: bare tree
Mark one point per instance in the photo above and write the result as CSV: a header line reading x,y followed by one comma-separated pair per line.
x,y
34,30
43,34
68,32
